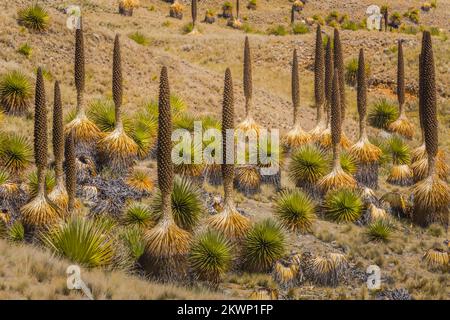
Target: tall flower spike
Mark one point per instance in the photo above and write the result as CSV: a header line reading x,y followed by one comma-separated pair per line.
x,y
58,132
117,79
295,87
40,123
79,59
165,168
339,65
319,85
400,76
329,70
430,122
336,119
361,93
227,124
71,171
194,12
248,86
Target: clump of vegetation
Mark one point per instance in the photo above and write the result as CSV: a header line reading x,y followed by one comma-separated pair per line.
x,y
210,257
187,207
318,19
15,92
85,241
139,38
382,114
380,230
16,153
279,30
343,206
34,18
33,183
395,20
307,166
436,259
252,5
16,232
263,245
400,172
210,16
300,28
327,271
25,50
227,10
295,210
176,10
126,7
188,28
140,215
413,15
351,71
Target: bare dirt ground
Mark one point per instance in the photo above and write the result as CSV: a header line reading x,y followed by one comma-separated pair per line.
x,y
196,68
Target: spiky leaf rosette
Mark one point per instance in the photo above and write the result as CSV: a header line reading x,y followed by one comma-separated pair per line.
x,y
329,71
229,222
263,245
16,153
326,271
436,259
295,210
141,181
15,92
319,85
210,257
247,179
187,206
343,205
140,215
339,65
420,167
307,166
380,230
59,194
71,171
84,241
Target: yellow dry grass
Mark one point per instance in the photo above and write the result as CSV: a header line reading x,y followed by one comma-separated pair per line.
x,y
167,240
402,126
296,138
39,212
365,152
336,179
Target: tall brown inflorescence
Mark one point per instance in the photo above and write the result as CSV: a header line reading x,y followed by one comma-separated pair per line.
x,y
295,87
248,90
339,65
400,76
336,118
58,132
428,92
71,174
165,168
117,90
361,92
194,12
237,9
227,124
319,85
79,65
40,123
329,70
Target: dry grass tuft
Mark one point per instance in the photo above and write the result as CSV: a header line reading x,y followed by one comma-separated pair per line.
x,y
436,259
